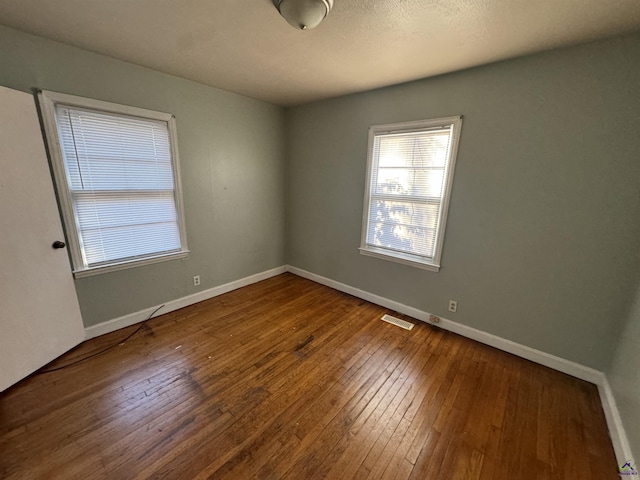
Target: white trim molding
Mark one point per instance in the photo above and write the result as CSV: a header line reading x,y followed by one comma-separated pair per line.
x,y
612,415
421,195
136,317
70,193
537,356
614,422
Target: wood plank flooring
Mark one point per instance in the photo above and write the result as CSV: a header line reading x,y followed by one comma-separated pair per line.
x,y
288,379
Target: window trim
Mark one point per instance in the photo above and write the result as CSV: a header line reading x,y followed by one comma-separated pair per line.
x,y
48,101
409,127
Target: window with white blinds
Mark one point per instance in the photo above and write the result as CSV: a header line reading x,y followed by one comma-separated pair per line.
x,y
116,169
410,172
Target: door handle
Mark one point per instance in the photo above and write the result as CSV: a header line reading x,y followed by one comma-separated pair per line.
x,y
58,244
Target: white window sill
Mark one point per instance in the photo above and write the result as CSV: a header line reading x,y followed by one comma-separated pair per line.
x,y
405,259
88,272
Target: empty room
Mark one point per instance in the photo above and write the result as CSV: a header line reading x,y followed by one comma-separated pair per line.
x,y
319,239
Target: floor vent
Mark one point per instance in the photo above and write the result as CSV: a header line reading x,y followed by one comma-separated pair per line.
x,y
396,321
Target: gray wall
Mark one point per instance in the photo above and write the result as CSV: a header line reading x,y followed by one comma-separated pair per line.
x,y
624,377
542,233
541,245
232,161
541,242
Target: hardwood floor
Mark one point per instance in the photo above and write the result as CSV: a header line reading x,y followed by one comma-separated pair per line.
x,y
288,379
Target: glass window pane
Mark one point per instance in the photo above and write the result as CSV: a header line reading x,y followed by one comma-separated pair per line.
x,y
120,176
409,167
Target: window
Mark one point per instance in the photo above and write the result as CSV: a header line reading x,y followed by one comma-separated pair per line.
x,y
116,169
410,171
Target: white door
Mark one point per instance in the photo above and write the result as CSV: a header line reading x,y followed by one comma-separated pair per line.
x,y
39,313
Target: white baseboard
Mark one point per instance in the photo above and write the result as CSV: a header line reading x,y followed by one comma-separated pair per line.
x,y
537,356
614,422
170,306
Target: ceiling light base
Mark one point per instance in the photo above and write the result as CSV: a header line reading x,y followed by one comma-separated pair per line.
x,y
303,14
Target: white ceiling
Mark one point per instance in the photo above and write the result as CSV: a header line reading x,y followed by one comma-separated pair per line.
x,y
245,46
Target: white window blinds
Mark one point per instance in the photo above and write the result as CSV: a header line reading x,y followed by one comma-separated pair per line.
x,y
117,173
120,176
410,167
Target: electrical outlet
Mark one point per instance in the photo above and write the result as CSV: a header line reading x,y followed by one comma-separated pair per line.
x,y
453,306
196,280
434,319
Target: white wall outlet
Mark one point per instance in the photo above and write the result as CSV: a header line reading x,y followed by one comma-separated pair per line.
x,y
453,305
196,280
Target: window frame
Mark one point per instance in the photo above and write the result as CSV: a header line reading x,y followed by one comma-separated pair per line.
x,y
48,101
414,260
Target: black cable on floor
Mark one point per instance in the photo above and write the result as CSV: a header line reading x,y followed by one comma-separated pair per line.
x,y
105,349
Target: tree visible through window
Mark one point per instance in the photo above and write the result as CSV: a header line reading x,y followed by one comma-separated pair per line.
x,y
410,172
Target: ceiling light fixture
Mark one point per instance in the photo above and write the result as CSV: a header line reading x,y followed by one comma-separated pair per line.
x,y
304,14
